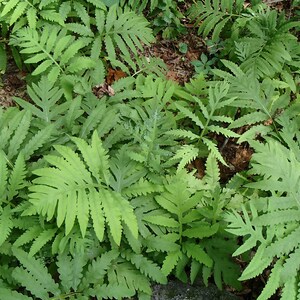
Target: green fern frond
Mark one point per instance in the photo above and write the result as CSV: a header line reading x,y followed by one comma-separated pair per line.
x,y
146,266
45,236
52,48
142,187
196,252
8,294
29,235
122,32
266,49
186,154
182,133
291,266
14,132
76,189
3,175
212,147
212,16
6,223
45,97
290,289
207,116
98,268
274,225
259,262
16,179
170,262
70,271
34,276
273,282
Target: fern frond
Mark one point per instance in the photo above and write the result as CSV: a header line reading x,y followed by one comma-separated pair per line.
x,y
212,16
196,252
183,134
3,175
291,266
186,154
52,48
259,262
45,96
142,187
146,266
165,243
122,32
13,134
98,268
273,282
76,189
8,294
212,147
70,271
17,177
45,236
170,262
34,276
29,235
6,223
266,49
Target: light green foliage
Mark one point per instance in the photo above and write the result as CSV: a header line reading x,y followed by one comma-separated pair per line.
x,y
98,195
79,191
273,223
55,51
191,212
207,117
258,38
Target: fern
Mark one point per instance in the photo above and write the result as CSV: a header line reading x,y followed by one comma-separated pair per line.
x,y
189,237
265,50
17,132
71,271
54,49
213,16
12,180
274,226
34,276
148,122
207,120
19,12
81,192
45,96
121,31
255,98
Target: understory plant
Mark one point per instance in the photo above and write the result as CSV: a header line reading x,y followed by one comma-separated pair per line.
x,y
98,195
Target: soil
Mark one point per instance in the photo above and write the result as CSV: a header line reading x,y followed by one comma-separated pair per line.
x,y
12,84
178,63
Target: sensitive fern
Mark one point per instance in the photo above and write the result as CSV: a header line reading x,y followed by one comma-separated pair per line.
x,y
54,49
183,214
273,223
212,16
79,189
206,120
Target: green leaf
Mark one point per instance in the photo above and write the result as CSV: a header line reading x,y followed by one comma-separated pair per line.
x,y
196,252
162,221
201,231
